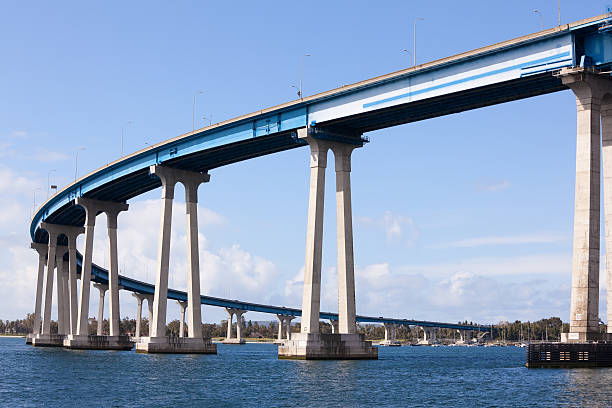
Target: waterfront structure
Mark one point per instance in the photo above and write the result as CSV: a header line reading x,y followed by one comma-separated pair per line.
x,y
573,56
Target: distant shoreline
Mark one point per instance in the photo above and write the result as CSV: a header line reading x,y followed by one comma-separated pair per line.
x,y
13,336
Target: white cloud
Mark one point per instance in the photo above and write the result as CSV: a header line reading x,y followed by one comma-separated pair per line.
x,y
397,228
495,186
545,238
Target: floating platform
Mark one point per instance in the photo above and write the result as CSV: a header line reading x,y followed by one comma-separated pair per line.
x,y
569,355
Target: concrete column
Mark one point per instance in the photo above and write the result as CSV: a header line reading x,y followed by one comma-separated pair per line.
x,y
183,306
584,315
606,141
288,320
281,320
46,328
102,289
239,314
72,235
66,297
230,314
158,326
387,331
113,272
41,249
194,311
139,299
311,299
334,325
59,286
90,221
346,273
150,307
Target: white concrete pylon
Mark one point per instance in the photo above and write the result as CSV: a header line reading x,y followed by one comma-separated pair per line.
x,y
114,314
66,292
230,314
584,315
239,314
139,299
191,180
46,326
606,136
183,306
334,325
150,309
311,298
346,272
287,321
59,286
41,249
102,289
280,319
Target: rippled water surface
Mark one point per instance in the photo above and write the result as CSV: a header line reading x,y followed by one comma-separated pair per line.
x,y
251,375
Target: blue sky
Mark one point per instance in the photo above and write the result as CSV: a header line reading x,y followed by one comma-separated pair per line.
x,y
467,216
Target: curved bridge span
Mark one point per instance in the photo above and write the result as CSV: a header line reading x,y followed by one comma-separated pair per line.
x,y
570,56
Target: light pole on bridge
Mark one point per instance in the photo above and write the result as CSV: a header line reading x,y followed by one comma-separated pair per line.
x,y
414,38
128,123
301,91
536,11
49,180
76,160
194,107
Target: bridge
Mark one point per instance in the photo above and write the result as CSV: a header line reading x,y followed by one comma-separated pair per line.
x,y
574,56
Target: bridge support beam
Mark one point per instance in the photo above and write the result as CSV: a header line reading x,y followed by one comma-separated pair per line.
x,y
41,249
590,91
81,338
230,313
390,335
158,341
139,298
102,289
334,326
45,338
182,306
310,343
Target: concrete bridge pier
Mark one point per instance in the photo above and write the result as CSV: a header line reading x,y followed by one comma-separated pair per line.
x,y
41,250
45,338
139,298
81,338
183,306
334,326
102,289
593,94
158,341
429,336
230,339
347,343
390,335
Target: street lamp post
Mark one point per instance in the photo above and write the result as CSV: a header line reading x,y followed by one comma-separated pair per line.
x,y
49,180
209,119
411,56
414,38
76,160
301,92
129,122
194,106
541,20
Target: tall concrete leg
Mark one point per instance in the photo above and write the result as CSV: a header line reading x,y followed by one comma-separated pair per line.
x,y
346,343
158,342
150,308
113,273
72,235
66,296
139,299
280,319
183,306
239,314
193,259
334,325
346,273
288,320
46,329
584,315
102,289
59,286
41,249
230,317
606,136
90,222
311,300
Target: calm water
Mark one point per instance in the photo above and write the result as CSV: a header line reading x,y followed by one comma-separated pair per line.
x,y
251,375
